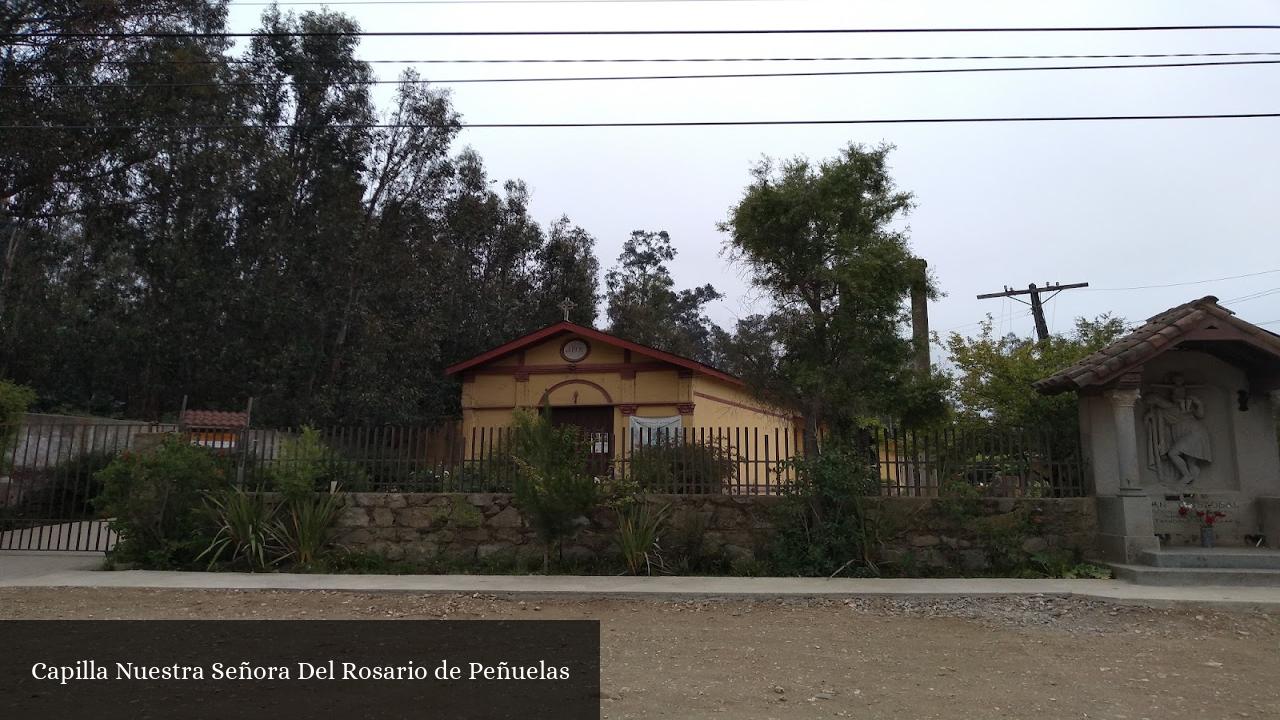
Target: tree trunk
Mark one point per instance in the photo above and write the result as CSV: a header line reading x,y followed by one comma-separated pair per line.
x,y
344,324
8,329
6,272
812,429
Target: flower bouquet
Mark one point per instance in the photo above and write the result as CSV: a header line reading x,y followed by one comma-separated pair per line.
x,y
1208,518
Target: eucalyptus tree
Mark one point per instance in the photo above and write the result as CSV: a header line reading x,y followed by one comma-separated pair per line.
x,y
566,267
184,218
645,307
89,165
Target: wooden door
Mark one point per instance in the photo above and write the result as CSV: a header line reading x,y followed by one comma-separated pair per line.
x,y
596,423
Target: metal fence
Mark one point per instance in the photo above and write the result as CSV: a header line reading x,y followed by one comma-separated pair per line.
x,y
995,462
446,459
48,469
692,460
47,480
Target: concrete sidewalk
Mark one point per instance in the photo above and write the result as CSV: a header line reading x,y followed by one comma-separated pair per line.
x,y
64,570
19,565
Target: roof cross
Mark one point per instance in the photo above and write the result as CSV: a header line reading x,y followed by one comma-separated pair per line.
x,y
567,306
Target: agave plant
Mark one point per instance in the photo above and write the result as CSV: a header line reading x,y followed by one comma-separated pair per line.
x,y
244,521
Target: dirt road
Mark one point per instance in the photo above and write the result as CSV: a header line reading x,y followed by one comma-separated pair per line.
x,y
1036,657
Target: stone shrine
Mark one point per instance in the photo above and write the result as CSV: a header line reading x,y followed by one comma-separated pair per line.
x,y
1176,419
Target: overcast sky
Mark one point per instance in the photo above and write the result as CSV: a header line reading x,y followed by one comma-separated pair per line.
x,y
1116,204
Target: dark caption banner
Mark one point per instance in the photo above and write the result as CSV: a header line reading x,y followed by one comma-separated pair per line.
x,y
105,669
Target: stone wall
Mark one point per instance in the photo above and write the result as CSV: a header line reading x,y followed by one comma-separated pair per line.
x,y
925,533
981,534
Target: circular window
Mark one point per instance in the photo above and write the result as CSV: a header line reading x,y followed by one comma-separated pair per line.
x,y
575,350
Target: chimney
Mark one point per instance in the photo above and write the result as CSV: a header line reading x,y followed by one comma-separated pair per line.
x,y
920,316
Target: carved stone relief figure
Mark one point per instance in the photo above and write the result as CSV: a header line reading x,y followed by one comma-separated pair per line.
x,y
1177,438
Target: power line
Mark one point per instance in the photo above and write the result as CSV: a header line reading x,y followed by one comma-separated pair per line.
x,y
705,76
1253,296
568,33
464,61
1006,312
691,123
1183,284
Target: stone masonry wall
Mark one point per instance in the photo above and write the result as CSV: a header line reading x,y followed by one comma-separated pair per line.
x,y
923,532
983,533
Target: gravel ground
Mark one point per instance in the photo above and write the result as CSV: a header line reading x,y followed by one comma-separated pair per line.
x,y
1008,657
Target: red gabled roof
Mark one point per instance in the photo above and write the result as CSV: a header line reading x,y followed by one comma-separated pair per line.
x,y
214,419
591,334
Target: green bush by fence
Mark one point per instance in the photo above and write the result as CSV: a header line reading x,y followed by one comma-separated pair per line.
x,y
670,466
155,500
14,401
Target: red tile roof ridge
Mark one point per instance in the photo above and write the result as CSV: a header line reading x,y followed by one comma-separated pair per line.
x,y
1160,333
217,419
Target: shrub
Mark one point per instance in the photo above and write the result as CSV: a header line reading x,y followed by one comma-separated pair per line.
x,y
307,476
1088,571
684,545
366,562
307,526
551,488
14,401
154,501
959,503
747,567
638,526
823,528
671,466
307,465
496,473
244,521
1067,564
1003,536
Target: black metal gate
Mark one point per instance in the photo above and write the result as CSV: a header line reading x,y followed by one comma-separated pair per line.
x,y
48,483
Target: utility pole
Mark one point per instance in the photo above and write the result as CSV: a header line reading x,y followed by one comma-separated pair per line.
x,y
1037,305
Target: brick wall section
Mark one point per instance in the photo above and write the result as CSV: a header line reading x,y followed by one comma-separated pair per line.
x,y
463,526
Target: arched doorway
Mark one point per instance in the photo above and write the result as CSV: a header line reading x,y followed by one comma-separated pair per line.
x,y
589,407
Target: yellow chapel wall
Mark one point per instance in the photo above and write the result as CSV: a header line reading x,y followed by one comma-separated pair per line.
x,y
721,404
722,412
488,398
762,437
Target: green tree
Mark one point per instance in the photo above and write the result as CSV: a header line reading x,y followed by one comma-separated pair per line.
x,y
993,374
645,307
824,242
323,265
552,487
567,267
74,198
